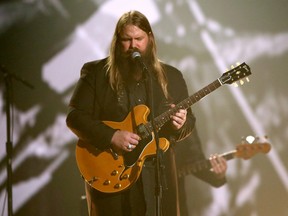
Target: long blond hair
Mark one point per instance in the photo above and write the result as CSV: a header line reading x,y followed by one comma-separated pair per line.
x,y
138,19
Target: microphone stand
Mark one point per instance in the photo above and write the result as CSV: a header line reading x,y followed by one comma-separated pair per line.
x,y
159,152
9,144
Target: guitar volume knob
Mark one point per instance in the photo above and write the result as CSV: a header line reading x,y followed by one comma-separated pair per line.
x,y
126,176
114,172
106,182
117,186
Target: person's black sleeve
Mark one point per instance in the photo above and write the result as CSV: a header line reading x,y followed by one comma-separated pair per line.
x,y
189,151
83,114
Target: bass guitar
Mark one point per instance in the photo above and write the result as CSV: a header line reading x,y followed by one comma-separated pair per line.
x,y
244,151
109,172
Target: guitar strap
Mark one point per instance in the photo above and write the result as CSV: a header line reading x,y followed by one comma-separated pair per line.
x,y
129,105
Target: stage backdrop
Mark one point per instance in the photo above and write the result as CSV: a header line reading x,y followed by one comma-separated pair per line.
x,y
45,43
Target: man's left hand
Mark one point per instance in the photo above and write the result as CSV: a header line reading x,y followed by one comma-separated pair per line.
x,y
179,118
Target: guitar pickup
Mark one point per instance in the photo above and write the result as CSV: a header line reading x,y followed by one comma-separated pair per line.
x,y
142,131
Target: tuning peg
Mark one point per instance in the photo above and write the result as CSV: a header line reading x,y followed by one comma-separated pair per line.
x,y
235,84
250,139
237,63
232,66
247,79
241,82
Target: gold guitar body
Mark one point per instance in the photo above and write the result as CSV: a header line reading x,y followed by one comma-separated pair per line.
x,y
105,170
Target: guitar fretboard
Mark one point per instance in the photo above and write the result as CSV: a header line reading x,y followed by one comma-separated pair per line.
x,y
201,165
185,104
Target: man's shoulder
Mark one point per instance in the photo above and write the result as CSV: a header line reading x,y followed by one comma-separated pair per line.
x,y
171,70
94,68
95,63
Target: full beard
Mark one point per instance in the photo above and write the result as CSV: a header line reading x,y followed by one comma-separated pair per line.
x,y
129,68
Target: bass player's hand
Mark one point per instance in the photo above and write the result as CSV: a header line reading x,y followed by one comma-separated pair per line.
x,y
219,165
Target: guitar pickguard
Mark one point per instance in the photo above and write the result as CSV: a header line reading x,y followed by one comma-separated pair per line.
x,y
130,158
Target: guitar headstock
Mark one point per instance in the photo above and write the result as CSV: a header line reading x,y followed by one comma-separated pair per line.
x,y
236,74
246,150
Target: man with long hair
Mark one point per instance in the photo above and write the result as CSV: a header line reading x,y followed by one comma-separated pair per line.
x,y
108,90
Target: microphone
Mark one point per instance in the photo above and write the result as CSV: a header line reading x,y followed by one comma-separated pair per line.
x,y
136,56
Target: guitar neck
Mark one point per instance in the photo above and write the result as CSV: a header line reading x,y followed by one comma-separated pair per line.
x,y
229,155
201,165
186,103
244,151
229,77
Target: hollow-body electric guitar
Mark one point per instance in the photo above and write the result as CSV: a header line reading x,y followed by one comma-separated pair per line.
x,y
245,151
109,172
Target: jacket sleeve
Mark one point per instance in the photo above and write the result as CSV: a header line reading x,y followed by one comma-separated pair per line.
x,y
189,152
178,92
83,114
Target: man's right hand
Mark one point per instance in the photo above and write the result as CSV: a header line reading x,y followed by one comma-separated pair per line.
x,y
124,141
